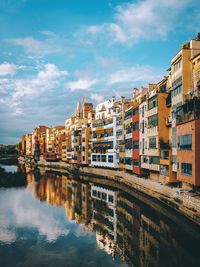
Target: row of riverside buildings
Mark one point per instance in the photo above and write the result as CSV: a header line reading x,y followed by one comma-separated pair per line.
x,y
155,133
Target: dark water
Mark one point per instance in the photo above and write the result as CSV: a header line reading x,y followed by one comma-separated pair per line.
x,y
60,220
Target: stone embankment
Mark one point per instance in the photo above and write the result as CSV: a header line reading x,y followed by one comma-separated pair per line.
x,y
184,201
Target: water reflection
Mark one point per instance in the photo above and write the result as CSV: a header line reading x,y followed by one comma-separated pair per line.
x,y
141,235
119,224
9,168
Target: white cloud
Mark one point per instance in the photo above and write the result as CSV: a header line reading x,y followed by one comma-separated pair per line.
x,y
51,45
9,68
81,84
51,71
97,98
47,79
140,74
93,29
15,91
146,19
26,212
118,32
48,33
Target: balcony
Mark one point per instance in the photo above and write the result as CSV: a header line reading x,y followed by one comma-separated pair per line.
x,y
152,111
188,111
145,165
99,136
100,123
154,167
190,116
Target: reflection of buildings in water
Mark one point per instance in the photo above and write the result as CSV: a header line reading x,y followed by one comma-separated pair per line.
x,y
86,208
104,219
77,201
142,235
149,240
128,229
49,188
31,184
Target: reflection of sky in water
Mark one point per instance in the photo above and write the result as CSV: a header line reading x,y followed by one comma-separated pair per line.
x,y
35,233
9,168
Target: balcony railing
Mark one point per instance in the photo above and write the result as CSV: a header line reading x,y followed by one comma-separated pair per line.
x,y
101,135
188,111
192,115
102,122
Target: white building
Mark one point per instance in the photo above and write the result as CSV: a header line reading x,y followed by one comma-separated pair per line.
x,y
104,152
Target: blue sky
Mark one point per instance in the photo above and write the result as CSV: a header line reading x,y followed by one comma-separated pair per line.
x,y
52,53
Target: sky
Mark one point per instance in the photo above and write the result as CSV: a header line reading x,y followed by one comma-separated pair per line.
x,y
54,52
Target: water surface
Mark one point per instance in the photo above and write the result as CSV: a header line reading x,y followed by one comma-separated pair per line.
x,y
59,220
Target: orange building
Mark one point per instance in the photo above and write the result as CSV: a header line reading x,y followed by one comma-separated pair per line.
x,y
188,145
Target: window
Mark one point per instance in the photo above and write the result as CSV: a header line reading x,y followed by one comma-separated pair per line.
x,y
98,157
110,198
145,159
94,193
185,142
174,137
83,158
94,157
142,111
122,160
174,159
186,168
128,129
129,161
128,114
119,133
136,126
164,170
128,143
154,160
142,127
152,142
83,139
110,158
104,196
135,111
83,148
135,144
177,91
135,162
153,121
164,154
152,103
103,158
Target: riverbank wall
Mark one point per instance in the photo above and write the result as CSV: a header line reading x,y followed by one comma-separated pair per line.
x,y
184,201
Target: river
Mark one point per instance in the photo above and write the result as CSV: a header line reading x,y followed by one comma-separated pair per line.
x,y
53,219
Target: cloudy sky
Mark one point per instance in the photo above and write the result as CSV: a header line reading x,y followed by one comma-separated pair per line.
x,y
52,53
